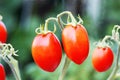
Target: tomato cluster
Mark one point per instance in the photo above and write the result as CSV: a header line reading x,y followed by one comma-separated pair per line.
x,y
3,38
47,50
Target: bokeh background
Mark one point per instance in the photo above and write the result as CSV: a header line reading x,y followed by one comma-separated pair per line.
x,y
22,17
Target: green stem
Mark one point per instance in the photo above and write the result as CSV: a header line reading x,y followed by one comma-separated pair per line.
x,y
106,38
61,25
6,53
14,67
46,24
64,70
67,61
73,20
44,28
113,74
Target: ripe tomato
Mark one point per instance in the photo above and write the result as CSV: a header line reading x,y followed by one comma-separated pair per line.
x,y
47,51
3,32
2,72
75,42
102,58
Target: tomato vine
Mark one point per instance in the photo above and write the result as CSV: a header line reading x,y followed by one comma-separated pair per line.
x,y
47,49
7,52
71,38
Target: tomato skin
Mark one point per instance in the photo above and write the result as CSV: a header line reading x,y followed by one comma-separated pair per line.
x,y
2,72
3,32
102,58
75,42
47,51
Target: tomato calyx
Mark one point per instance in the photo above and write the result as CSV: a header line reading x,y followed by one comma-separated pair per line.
x,y
7,50
70,19
104,43
107,39
43,29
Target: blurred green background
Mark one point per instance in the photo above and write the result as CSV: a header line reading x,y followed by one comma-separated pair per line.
x,y
22,17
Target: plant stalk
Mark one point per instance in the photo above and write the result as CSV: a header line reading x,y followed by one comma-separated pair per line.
x,y
61,25
64,70
14,67
6,53
113,74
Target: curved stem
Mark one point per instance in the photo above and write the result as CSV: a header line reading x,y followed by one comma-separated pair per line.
x,y
64,70
44,28
112,75
39,30
104,42
115,32
46,24
59,22
106,38
74,22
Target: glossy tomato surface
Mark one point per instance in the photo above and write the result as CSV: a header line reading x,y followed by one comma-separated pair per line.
x,y
102,58
47,51
3,32
2,72
75,42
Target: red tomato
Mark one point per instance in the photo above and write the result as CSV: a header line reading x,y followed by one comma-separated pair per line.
x,y
75,42
102,58
47,51
3,32
2,72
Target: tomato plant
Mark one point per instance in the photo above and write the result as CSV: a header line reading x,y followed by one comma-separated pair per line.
x,y
75,42
2,72
3,32
47,51
102,58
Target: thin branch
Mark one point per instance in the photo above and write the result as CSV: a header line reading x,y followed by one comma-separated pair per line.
x,y
65,67
112,75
